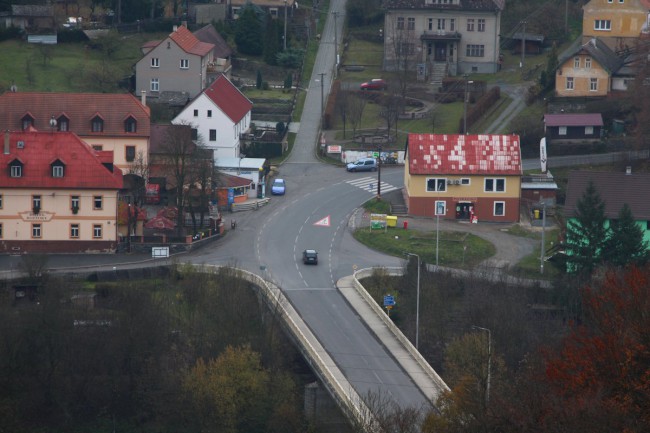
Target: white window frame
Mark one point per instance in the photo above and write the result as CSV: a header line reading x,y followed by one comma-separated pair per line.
x,y
438,181
603,25
588,62
576,62
185,64
495,184
37,201
569,83
16,171
98,202
593,84
155,62
470,24
75,201
97,231
155,85
410,23
37,231
441,24
494,208
57,171
589,130
561,130
481,25
452,24
74,231
400,23
430,24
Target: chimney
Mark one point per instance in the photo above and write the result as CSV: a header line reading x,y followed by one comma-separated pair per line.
x,y
628,169
175,27
7,142
184,24
593,42
143,97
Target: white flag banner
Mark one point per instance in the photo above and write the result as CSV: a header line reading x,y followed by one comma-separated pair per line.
x,y
542,154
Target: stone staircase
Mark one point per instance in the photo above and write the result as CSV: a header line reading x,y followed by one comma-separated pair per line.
x,y
438,72
397,204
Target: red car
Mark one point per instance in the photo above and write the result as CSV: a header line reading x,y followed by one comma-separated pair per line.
x,y
374,84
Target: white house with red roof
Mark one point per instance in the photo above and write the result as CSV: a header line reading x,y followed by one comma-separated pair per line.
x,y
463,177
219,115
57,195
178,63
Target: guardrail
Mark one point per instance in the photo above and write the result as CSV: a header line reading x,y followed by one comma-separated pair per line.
x,y
429,371
348,399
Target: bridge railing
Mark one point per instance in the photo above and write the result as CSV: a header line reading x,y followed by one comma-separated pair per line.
x,y
428,370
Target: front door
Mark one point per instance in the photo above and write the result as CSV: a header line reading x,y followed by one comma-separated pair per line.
x,y
440,52
464,210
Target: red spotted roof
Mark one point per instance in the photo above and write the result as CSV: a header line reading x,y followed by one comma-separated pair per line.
x,y
78,108
464,154
228,98
574,119
37,151
189,43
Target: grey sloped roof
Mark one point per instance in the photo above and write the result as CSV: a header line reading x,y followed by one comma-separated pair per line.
x,y
209,34
598,50
462,5
32,11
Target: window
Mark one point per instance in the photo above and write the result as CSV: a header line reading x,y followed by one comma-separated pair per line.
x,y
97,124
475,50
470,25
495,185
97,202
16,170
57,170
74,230
196,113
589,130
36,230
411,23
499,208
130,125
36,201
569,83
63,124
0,201
97,231
588,63
602,25
400,23
27,121
209,113
155,85
185,63
155,62
561,130
273,12
452,24
405,49
481,24
576,62
98,147
235,12
436,184
464,181
195,134
213,135
430,25
441,208
74,202
593,84
441,23
130,153
0,230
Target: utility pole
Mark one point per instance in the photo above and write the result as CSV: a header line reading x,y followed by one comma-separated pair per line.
x,y
379,174
467,83
285,25
541,254
523,44
489,366
336,41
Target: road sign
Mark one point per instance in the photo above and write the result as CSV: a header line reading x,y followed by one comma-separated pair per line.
x,y
325,222
389,301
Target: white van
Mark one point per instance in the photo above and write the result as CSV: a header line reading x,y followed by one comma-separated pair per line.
x,y
364,164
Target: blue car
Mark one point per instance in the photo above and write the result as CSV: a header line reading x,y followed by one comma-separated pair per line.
x,y
278,187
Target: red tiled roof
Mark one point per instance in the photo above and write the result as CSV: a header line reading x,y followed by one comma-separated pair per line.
x,y
79,108
574,119
228,98
83,168
229,181
464,154
189,43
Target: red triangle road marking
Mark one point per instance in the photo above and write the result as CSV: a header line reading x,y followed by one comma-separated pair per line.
x,y
325,222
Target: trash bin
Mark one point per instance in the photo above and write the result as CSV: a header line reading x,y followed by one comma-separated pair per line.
x,y
406,224
391,221
536,212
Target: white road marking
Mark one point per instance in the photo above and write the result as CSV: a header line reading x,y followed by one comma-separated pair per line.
x,y
365,184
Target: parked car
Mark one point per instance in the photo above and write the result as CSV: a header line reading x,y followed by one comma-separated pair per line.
x,y
374,84
310,257
278,187
364,164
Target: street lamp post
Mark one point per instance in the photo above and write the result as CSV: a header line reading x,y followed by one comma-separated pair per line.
x,y
489,366
467,83
285,25
417,304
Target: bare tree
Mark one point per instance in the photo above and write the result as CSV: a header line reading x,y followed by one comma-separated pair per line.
x,y
356,105
201,183
138,175
342,106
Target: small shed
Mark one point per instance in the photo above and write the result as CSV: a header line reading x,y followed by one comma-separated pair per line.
x,y
533,42
573,127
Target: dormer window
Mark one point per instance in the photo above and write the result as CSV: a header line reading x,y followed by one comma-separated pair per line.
x,y
63,124
27,121
16,169
97,124
58,168
130,124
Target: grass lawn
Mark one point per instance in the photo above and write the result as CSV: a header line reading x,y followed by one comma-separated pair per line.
x,y
455,249
529,266
254,93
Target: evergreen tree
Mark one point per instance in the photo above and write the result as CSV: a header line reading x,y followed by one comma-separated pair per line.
x,y
258,80
271,42
547,78
586,233
625,242
248,32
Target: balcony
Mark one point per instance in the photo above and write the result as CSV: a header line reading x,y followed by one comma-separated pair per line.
x,y
439,35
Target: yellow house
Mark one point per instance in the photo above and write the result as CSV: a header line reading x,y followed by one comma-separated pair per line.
x,y
586,70
463,177
57,195
618,23
118,123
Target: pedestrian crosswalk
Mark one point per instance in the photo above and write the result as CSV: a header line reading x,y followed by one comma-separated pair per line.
x,y
369,183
